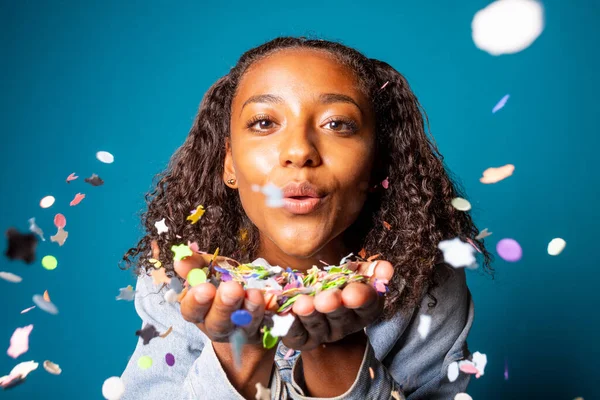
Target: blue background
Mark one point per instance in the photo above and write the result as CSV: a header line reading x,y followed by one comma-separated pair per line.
x,y
79,77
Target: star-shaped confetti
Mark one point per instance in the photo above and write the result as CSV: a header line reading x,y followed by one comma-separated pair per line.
x,y
19,341
147,333
77,199
161,227
262,393
196,214
71,177
21,246
282,324
181,251
457,253
483,234
94,180
126,293
60,237
36,229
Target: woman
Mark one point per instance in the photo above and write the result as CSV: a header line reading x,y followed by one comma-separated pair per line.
x,y
344,136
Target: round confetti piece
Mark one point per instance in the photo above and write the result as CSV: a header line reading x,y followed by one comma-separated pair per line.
x,y
196,276
52,368
47,201
461,204
170,359
509,250
105,157
49,262
60,221
241,317
462,396
144,362
556,246
113,388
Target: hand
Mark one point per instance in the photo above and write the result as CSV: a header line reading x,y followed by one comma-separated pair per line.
x,y
211,308
333,314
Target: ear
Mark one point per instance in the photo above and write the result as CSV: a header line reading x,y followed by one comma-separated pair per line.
x,y
228,168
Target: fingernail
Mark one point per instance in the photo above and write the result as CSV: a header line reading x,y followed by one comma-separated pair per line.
x,y
201,298
250,306
228,300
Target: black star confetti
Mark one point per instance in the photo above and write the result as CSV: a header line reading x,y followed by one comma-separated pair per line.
x,y
148,333
94,180
21,246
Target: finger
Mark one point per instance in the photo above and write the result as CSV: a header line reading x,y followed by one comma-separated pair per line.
x,y
197,302
342,321
377,269
363,300
328,300
254,303
196,260
229,297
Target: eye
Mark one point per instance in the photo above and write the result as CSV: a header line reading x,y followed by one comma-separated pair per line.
x,y
337,122
262,121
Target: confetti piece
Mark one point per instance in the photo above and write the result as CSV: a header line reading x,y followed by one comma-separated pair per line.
x,y
49,262
171,296
20,246
147,333
461,204
94,180
170,359
507,26
10,277
52,368
385,183
19,341
196,214
453,371
46,296
480,361
387,225
282,324
457,253
269,341
77,199
288,354
161,227
159,276
126,293
467,367
10,381
105,157
493,175
372,373
241,318
36,229
509,250
505,370
47,202
262,393
274,195
396,395
483,234
18,374
27,310
71,177
424,325
47,306
166,333
196,276
60,221
462,396
155,263
144,362
60,237
181,251
113,388
238,340
556,246
500,104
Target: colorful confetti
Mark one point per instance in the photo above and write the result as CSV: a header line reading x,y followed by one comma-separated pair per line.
x,y
19,341
556,246
385,183
60,221
170,359
60,237
105,157
10,277
18,374
241,318
161,227
181,251
20,246
113,388
458,253
46,296
196,276
196,214
36,229
77,199
144,362
500,104
47,202
493,175
509,250
147,333
71,177
49,262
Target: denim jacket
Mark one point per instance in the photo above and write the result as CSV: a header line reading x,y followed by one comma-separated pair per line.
x,y
403,365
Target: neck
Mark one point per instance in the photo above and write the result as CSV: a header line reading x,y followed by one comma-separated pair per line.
x,y
331,254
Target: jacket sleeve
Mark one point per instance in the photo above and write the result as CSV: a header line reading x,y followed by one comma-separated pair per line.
x,y
196,371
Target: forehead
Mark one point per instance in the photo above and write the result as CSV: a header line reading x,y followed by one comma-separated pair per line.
x,y
299,72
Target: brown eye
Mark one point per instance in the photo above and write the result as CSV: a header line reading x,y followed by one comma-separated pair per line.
x,y
259,123
338,124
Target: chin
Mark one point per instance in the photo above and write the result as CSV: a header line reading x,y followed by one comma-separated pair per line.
x,y
299,248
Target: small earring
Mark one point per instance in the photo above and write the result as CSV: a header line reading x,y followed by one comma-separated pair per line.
x,y
231,181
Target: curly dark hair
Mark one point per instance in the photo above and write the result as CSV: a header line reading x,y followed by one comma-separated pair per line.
x,y
403,223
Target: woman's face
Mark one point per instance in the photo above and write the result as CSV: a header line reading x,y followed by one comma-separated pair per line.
x,y
299,117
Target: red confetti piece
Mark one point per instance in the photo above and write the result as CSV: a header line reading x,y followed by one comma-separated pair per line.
x,y
77,199
60,221
71,177
387,225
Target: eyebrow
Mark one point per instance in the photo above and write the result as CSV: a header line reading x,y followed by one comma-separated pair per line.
x,y
324,98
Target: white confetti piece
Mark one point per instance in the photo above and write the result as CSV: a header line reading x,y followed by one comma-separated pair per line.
x,y
461,204
480,361
105,157
282,324
23,369
500,104
113,388
161,227
171,296
424,325
9,276
493,175
36,229
47,306
507,26
52,368
19,341
47,201
453,371
27,309
458,253
262,393
462,396
483,234
556,246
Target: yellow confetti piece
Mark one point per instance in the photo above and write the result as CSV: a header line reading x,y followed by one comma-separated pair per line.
x,y
196,276
144,362
49,262
196,214
181,251
155,263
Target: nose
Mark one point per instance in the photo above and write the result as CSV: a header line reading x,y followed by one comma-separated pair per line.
x,y
298,149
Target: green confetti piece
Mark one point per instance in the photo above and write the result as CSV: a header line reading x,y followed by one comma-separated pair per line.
x,y
289,301
49,262
269,341
196,276
144,362
181,251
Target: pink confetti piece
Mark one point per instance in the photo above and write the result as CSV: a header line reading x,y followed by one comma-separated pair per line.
x,y
19,342
288,354
71,177
385,183
194,246
509,249
60,221
27,310
77,199
500,104
473,244
384,85
468,368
